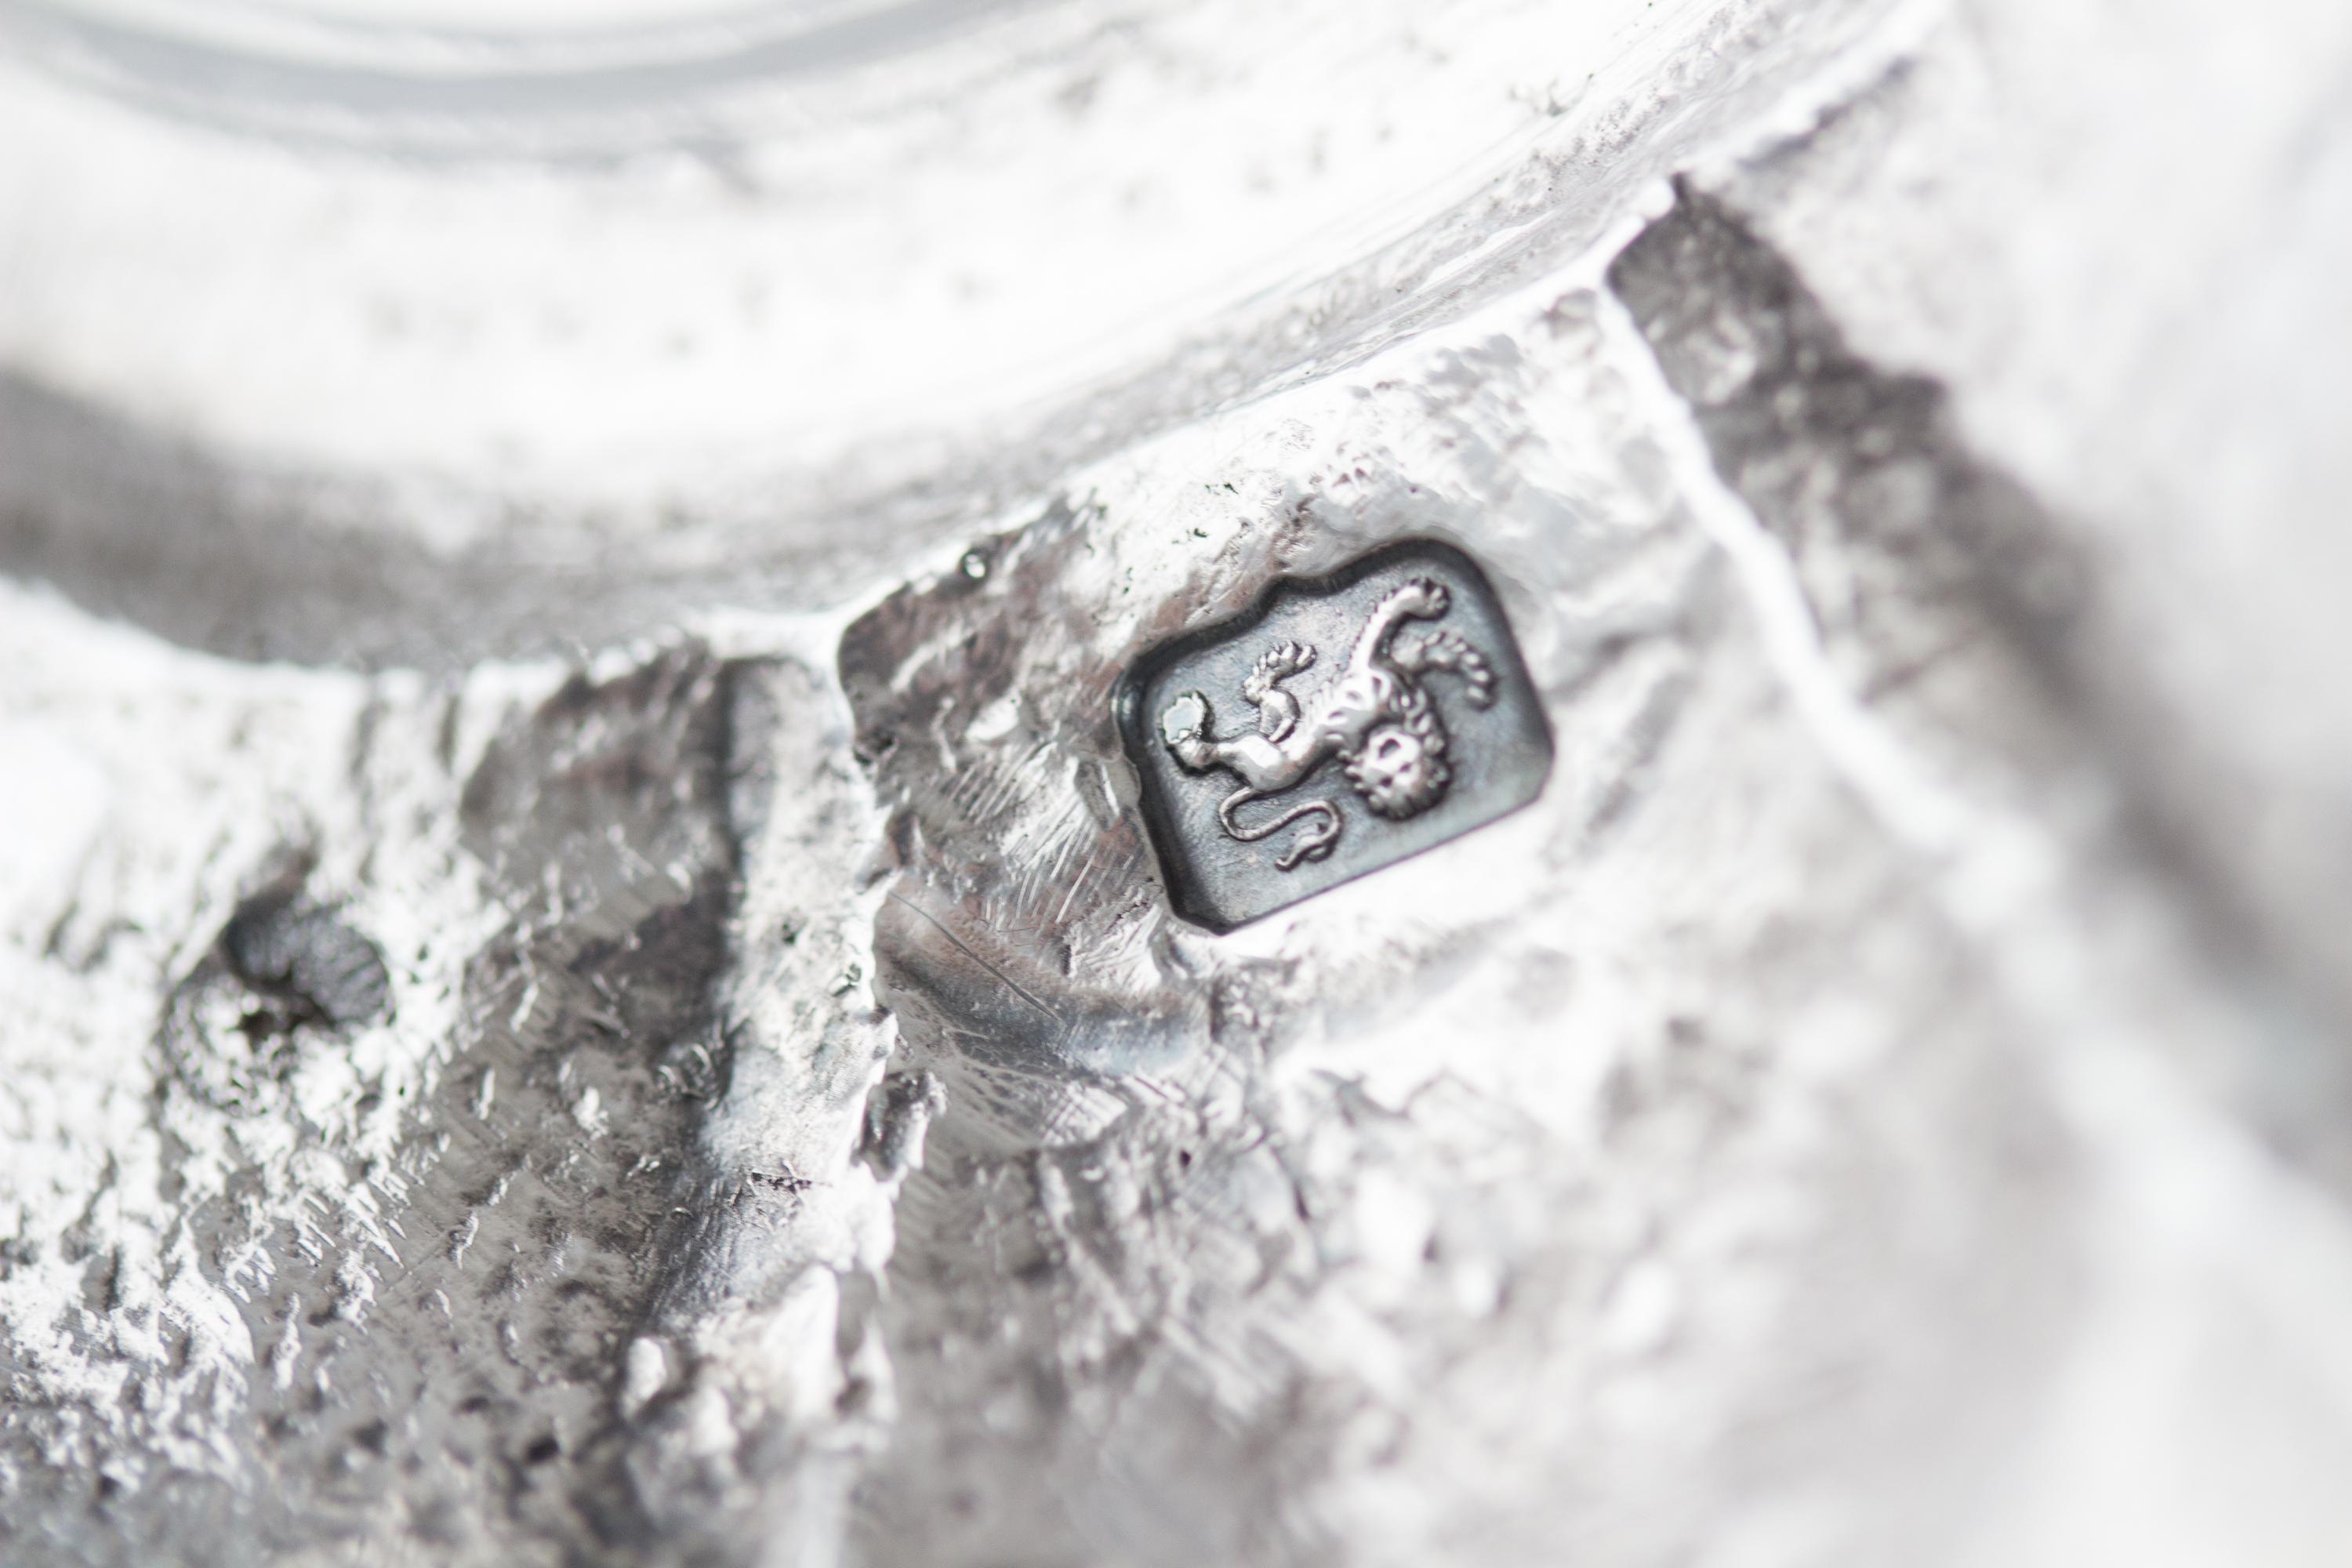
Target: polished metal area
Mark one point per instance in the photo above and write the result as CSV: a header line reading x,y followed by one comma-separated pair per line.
x,y
1392,713
490,80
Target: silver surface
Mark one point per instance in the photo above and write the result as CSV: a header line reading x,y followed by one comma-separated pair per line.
x,y
586,974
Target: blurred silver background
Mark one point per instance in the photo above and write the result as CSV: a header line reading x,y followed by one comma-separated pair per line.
x,y
581,978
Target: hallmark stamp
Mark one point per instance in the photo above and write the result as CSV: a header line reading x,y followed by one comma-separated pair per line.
x,y
1342,724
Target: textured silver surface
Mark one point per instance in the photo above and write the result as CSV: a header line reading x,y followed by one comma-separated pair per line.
x,y
585,972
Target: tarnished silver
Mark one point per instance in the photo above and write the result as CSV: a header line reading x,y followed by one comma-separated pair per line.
x,y
1392,713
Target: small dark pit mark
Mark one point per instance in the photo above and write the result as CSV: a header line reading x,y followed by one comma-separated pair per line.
x,y
307,959
786,1183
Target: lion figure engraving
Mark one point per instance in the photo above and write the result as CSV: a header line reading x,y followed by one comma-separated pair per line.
x,y
1373,715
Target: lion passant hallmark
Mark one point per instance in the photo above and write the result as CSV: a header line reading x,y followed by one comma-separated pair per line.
x,y
1372,716
1343,723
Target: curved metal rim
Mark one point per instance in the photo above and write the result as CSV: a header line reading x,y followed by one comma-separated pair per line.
x,y
454,91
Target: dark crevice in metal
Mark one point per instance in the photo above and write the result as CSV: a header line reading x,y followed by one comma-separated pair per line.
x,y
1915,552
